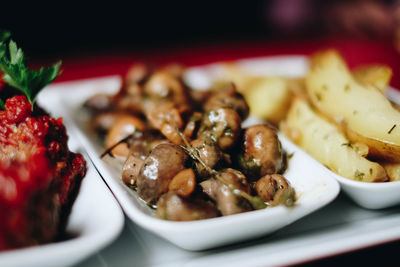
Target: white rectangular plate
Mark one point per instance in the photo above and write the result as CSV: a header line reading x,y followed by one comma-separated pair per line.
x,y
95,221
313,184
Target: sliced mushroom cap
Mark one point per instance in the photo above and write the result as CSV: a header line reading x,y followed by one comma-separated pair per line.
x,y
275,189
162,85
228,97
263,152
137,73
163,163
131,99
166,118
209,153
131,169
227,201
123,126
174,207
221,126
210,187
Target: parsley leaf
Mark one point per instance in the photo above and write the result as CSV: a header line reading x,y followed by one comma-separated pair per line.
x,y
4,35
2,104
18,75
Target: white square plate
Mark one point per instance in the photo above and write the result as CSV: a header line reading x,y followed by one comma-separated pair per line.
x,y
313,184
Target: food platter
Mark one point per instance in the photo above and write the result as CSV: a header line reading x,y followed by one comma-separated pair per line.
x,y
314,186
95,221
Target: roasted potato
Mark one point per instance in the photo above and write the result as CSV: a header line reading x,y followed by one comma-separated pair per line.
x,y
268,98
363,111
392,170
376,75
328,145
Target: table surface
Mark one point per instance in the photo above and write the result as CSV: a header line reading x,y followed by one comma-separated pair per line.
x,y
107,63
341,219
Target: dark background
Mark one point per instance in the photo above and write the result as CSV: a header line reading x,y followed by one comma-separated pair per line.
x,y
72,29
63,28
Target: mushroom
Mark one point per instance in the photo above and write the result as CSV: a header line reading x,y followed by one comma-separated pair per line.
x,y
174,207
159,168
262,152
227,201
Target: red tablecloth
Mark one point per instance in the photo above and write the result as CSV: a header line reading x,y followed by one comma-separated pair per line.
x,y
117,62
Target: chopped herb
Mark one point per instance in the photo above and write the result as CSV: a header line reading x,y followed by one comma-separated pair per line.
x,y
326,137
318,96
347,144
2,104
359,175
289,156
228,131
325,87
195,117
209,141
249,167
201,146
391,129
347,88
355,112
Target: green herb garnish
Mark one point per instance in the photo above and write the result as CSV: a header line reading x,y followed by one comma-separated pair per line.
x,y
359,175
18,75
391,129
348,144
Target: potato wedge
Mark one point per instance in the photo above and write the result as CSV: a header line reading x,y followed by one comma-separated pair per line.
x,y
376,75
365,113
298,87
392,170
269,98
324,141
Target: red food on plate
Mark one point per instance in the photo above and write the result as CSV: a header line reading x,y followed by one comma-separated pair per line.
x,y
39,176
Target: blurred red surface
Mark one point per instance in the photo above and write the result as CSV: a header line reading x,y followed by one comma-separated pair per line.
x,y
117,62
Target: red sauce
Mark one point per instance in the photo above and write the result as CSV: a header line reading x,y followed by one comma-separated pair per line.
x,y
39,176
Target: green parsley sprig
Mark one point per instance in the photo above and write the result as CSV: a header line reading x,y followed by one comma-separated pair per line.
x,y
18,75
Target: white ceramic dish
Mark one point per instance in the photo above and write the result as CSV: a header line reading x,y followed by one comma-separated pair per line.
x,y
373,195
313,184
367,195
95,221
